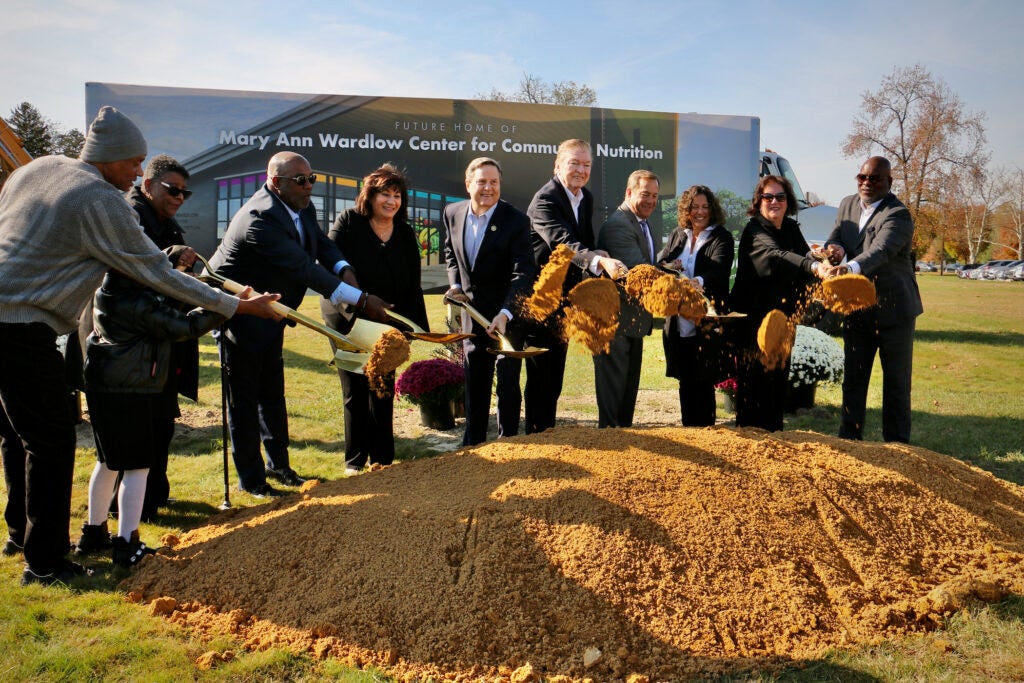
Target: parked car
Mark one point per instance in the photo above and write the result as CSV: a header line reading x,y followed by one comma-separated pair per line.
x,y
1016,272
925,267
988,270
964,273
1000,272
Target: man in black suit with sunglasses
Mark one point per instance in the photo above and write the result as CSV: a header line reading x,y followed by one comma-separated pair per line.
x,y
274,243
875,233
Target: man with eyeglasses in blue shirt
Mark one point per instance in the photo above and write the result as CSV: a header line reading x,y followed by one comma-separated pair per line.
x,y
274,243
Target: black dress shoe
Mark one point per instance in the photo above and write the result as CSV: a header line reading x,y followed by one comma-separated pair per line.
x,y
264,491
287,476
67,572
11,547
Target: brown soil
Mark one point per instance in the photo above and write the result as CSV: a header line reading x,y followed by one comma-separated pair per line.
x,y
593,314
670,295
845,294
547,291
775,338
640,279
603,554
389,352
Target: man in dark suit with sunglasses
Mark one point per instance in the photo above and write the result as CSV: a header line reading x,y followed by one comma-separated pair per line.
x,y
274,243
875,232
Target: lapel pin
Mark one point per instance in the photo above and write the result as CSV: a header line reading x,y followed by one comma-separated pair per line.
x,y
493,228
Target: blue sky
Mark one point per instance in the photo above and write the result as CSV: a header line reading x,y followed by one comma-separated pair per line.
x,y
799,66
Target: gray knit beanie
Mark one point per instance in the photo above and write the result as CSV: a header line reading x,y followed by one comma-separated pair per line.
x,y
112,137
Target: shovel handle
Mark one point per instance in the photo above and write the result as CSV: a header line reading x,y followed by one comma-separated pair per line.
x,y
473,313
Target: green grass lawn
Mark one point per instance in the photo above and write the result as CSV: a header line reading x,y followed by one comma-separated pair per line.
x,y
968,375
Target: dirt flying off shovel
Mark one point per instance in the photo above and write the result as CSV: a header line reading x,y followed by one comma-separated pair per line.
x,y
505,346
351,355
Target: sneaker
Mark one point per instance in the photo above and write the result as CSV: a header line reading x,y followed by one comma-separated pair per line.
x,y
95,537
352,471
287,476
264,491
12,547
129,553
65,575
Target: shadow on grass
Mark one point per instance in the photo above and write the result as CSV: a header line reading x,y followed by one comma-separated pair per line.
x,y
970,337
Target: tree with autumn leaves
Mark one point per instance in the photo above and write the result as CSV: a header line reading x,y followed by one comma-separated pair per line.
x,y
939,162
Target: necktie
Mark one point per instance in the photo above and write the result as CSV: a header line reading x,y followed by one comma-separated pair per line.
x,y
650,240
298,229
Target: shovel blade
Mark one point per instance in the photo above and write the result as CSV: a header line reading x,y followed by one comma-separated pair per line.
x,y
350,361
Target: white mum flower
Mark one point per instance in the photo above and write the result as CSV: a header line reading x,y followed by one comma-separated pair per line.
x,y
816,358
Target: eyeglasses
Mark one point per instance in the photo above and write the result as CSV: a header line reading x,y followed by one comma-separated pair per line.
x,y
300,179
873,178
176,191
780,197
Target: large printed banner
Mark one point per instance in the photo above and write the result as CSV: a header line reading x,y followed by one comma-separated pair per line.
x,y
226,137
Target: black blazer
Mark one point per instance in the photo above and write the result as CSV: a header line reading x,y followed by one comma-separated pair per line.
x,y
773,270
261,248
714,265
554,223
390,270
505,265
883,251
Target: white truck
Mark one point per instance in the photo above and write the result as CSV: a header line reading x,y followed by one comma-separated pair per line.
x,y
225,137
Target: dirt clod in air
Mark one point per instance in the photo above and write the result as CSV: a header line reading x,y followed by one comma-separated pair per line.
x,y
593,314
388,352
845,294
670,295
775,338
640,279
648,554
547,291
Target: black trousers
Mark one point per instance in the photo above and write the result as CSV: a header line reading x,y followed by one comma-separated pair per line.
x,y
617,381
862,338
544,374
369,430
37,440
481,366
257,411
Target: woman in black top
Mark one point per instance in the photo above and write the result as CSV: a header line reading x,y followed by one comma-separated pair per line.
x,y
774,271
701,248
382,247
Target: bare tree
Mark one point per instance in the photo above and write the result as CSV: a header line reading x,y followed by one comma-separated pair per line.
x,y
1011,212
964,219
920,125
536,90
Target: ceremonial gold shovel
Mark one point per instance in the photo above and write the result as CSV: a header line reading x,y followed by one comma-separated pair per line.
x,y
505,346
350,355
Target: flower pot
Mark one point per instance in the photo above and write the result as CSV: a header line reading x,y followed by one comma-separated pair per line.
x,y
458,407
437,415
728,401
800,397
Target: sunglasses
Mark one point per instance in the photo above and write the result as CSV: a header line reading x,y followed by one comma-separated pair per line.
x,y
873,178
300,179
780,197
176,191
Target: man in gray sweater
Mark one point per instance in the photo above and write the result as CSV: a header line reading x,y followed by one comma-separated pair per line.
x,y
63,223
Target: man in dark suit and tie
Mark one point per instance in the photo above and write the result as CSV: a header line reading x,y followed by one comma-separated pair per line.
x,y
561,213
274,243
490,263
875,232
627,236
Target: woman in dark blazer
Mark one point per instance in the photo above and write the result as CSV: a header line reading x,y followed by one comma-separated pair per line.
x,y
702,249
382,247
774,271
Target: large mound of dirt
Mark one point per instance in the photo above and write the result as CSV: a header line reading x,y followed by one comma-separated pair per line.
x,y
604,554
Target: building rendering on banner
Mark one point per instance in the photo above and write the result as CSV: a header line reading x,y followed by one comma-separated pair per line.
x,y
225,138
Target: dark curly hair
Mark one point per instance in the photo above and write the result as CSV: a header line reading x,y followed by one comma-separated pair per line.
x,y
161,165
716,215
